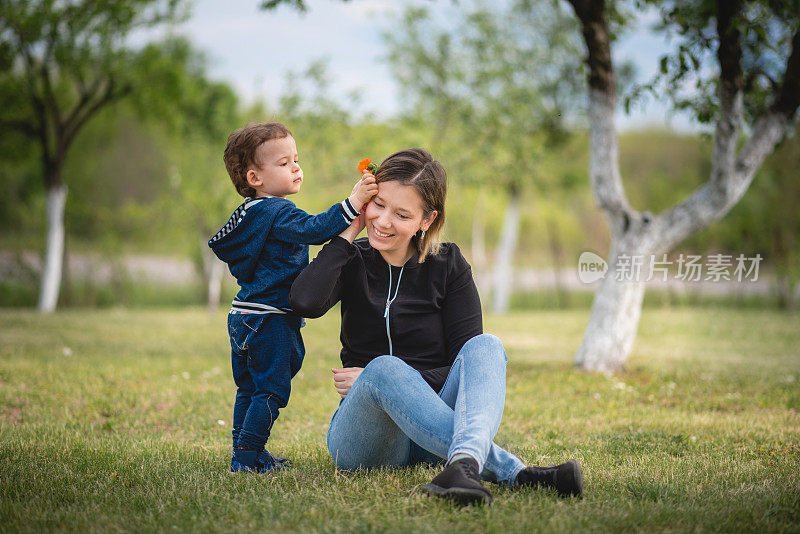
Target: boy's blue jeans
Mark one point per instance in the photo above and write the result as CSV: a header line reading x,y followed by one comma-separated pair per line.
x,y
266,352
392,417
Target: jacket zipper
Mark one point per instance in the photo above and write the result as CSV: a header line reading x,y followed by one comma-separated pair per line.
x,y
389,303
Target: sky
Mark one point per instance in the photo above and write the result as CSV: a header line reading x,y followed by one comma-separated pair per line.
x,y
253,50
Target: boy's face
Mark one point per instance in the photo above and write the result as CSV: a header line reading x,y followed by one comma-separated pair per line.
x,y
280,174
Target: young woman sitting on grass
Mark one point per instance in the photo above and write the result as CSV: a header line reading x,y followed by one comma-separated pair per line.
x,y
420,381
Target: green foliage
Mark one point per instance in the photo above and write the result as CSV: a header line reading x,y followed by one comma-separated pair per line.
x,y
505,80
71,64
299,5
63,61
689,76
173,88
21,182
146,175
332,137
109,422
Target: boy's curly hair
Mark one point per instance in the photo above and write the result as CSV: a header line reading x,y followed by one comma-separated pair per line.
x,y
241,151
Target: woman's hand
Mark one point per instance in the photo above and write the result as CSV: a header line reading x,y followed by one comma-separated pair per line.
x,y
343,379
351,232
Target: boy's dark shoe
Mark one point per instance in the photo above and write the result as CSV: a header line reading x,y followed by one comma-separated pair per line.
x,y
266,462
259,462
566,479
460,482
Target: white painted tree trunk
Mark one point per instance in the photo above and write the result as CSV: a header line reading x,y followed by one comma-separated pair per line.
x,y
215,275
504,256
54,255
617,304
213,271
610,333
616,310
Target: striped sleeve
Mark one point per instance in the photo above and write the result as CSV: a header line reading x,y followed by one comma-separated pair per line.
x,y
348,211
235,219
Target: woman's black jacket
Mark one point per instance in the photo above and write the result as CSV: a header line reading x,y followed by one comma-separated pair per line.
x,y
435,311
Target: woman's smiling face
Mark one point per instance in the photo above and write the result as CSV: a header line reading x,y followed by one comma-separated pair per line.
x,y
393,216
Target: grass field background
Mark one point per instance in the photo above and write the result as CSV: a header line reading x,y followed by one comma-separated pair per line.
x,y
120,420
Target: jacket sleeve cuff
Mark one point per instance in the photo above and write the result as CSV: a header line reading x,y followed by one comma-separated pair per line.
x,y
348,211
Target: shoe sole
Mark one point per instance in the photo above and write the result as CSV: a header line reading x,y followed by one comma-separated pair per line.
x,y
570,480
462,496
239,468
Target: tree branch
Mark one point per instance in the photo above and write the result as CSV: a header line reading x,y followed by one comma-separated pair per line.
x,y
771,127
49,96
789,96
83,101
39,108
729,53
22,126
731,102
111,94
712,201
591,13
604,164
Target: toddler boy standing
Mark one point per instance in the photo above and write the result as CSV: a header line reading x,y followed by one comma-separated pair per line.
x,y
265,244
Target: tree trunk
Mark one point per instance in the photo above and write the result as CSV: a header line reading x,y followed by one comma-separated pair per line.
x,y
213,272
504,257
616,309
216,272
54,256
617,305
557,254
479,233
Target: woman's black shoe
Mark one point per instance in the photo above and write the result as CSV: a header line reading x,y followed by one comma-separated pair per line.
x,y
566,479
460,482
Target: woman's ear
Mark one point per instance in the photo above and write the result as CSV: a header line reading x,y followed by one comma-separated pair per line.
x,y
427,222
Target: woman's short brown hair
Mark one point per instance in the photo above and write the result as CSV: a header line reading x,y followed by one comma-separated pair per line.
x,y
241,151
416,167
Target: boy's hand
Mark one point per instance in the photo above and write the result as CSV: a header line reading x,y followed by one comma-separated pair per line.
x,y
363,191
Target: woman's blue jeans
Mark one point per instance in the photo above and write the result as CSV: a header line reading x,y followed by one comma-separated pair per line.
x,y
392,417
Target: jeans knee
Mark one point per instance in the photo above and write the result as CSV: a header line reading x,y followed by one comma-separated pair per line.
x,y
488,346
385,366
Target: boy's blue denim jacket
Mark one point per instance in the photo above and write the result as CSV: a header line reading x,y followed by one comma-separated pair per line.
x,y
265,244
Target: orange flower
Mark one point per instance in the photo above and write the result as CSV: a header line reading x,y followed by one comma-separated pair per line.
x,y
367,165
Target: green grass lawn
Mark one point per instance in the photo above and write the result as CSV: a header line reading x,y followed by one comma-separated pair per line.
x,y
120,421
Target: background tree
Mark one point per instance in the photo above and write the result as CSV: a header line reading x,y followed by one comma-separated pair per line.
x,y
766,221
757,50
61,63
198,115
501,82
